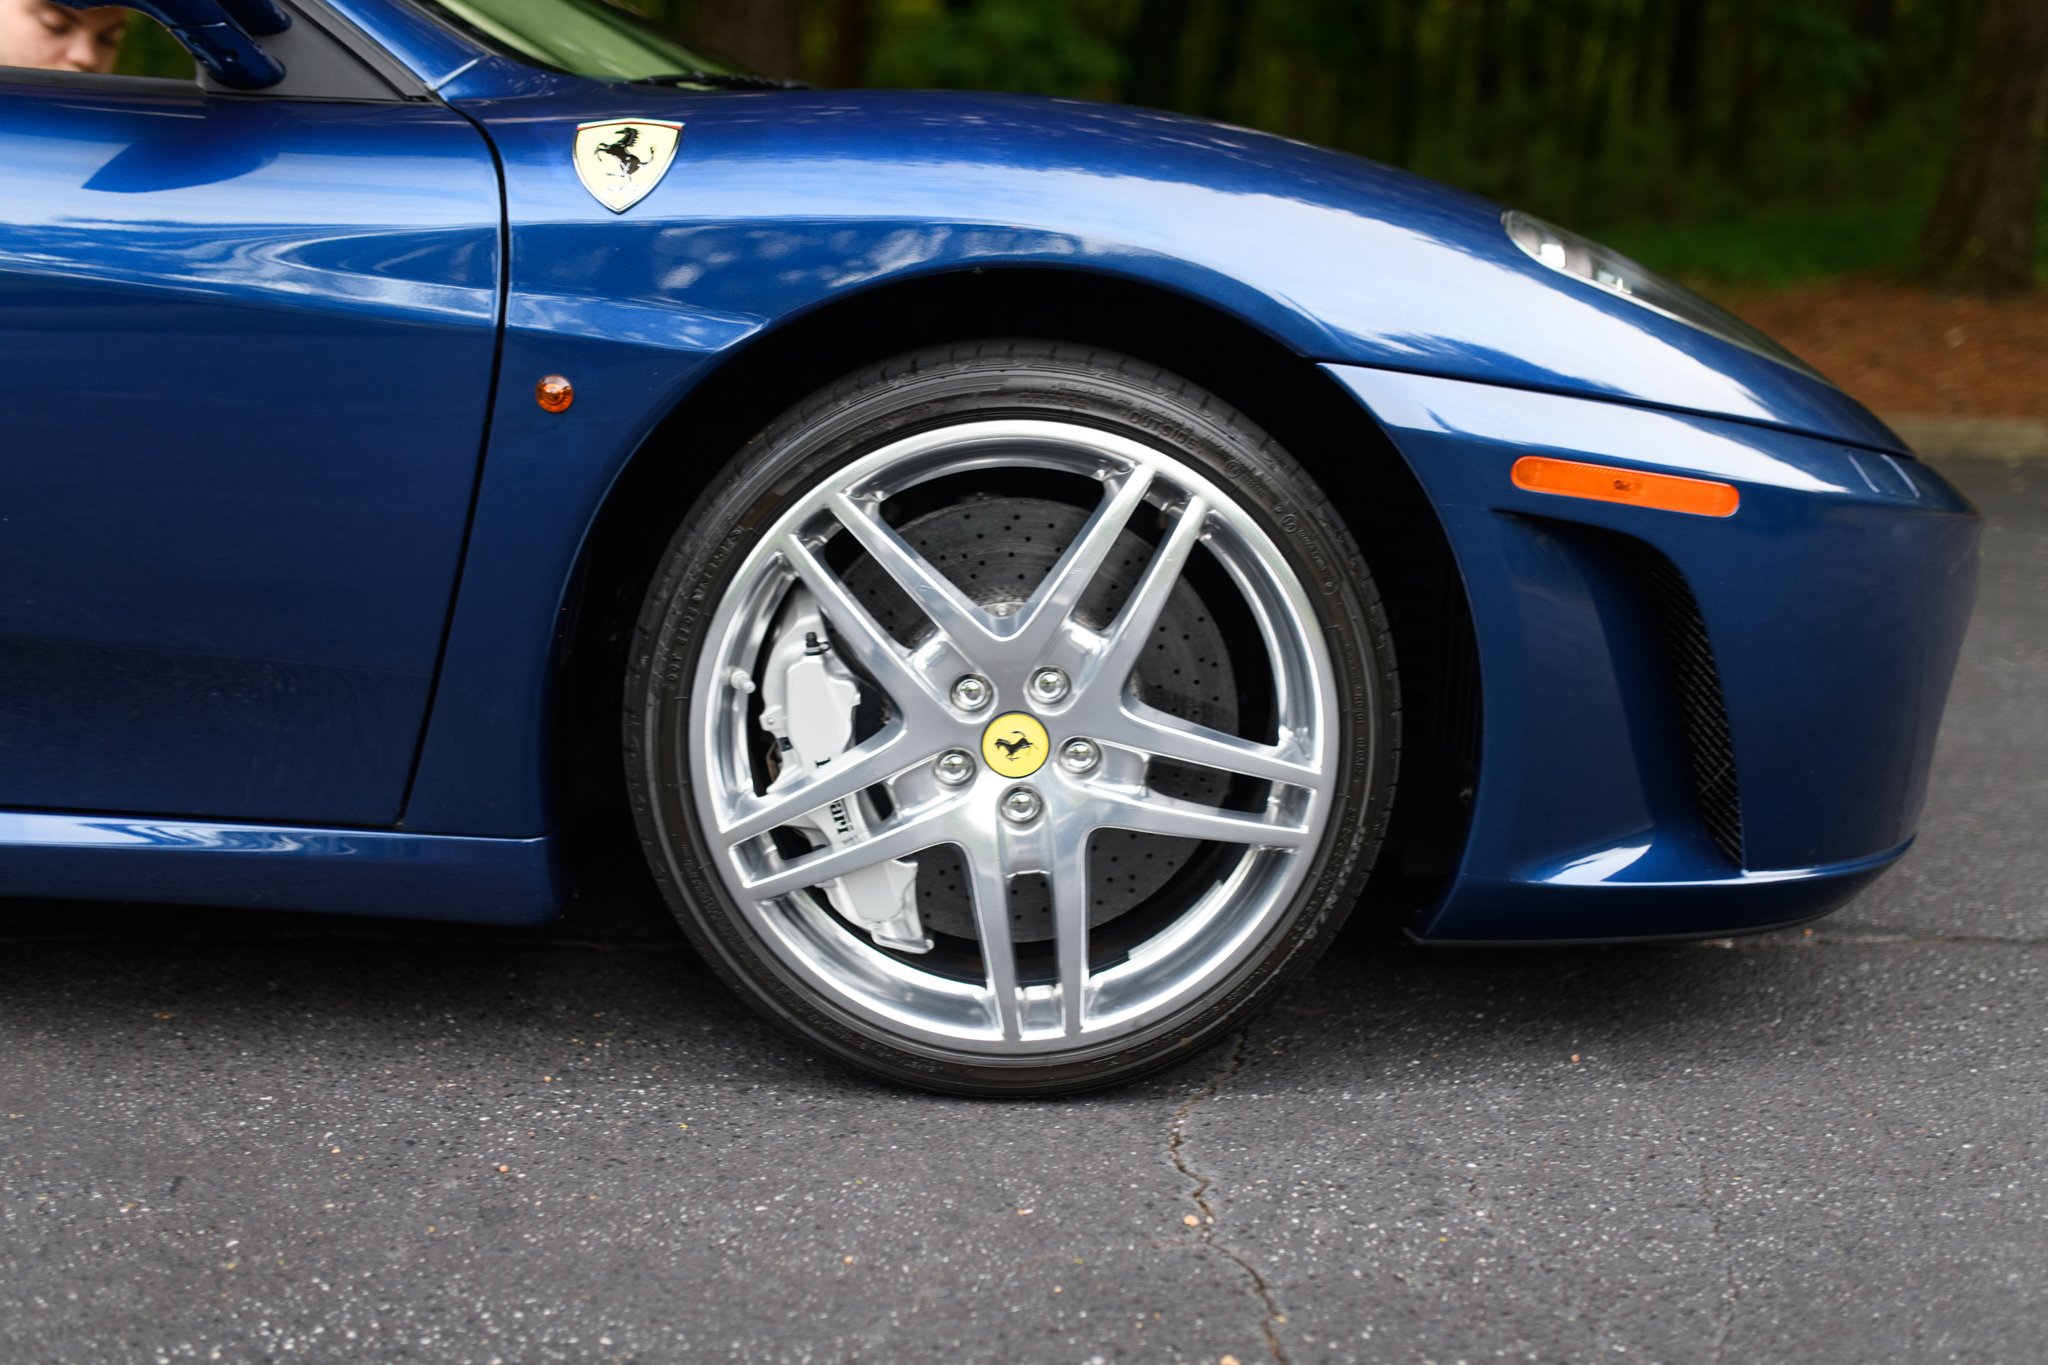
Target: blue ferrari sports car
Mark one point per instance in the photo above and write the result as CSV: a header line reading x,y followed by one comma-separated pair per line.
x,y
1026,569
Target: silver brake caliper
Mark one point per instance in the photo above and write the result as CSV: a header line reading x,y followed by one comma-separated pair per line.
x,y
808,700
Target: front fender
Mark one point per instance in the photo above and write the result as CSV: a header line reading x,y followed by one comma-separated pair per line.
x,y
780,203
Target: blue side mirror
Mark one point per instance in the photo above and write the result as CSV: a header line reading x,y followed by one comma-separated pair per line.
x,y
220,34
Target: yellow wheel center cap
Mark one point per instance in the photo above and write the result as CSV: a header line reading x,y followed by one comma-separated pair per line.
x,y
1014,744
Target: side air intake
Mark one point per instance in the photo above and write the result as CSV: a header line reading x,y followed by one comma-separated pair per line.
x,y
1696,683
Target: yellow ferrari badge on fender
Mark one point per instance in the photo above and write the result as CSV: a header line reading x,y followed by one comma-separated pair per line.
x,y
620,160
1014,745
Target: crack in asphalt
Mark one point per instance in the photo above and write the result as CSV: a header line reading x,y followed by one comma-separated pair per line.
x,y
1731,1297
1176,1150
1730,1301
1871,938
1912,938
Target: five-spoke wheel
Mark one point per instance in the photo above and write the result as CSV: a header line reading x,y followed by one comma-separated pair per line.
x,y
1000,744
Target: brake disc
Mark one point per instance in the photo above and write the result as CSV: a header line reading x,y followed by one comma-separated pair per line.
x,y
997,550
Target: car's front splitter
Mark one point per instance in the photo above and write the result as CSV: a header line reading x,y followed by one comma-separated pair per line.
x,y
1691,724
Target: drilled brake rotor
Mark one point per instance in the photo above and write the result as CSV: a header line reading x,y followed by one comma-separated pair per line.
x,y
997,550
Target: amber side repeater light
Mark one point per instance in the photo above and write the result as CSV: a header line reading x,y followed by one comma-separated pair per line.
x,y
554,393
1607,483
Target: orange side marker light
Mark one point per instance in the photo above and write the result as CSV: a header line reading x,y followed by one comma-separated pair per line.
x,y
1607,483
554,393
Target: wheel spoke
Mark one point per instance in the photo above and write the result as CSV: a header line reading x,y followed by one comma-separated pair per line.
x,y
855,633
1071,577
1151,813
855,770
897,839
1132,629
1068,884
991,893
1163,735
957,618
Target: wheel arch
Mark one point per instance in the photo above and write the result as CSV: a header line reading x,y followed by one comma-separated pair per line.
x,y
1289,396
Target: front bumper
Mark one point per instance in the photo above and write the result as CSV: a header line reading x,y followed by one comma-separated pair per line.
x,y
1690,725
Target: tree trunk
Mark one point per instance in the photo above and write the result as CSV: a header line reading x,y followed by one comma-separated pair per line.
x,y
853,36
1226,59
1154,52
1531,43
1874,21
1738,139
1600,67
1643,55
1489,43
1353,84
761,34
1979,237
1407,86
1682,77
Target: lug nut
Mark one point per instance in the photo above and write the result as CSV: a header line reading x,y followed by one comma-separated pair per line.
x,y
1048,685
953,767
1021,805
972,693
1079,755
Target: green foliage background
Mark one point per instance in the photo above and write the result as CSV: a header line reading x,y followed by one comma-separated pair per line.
x,y
1741,141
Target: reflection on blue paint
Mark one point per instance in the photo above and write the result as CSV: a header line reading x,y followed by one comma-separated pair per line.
x,y
374,872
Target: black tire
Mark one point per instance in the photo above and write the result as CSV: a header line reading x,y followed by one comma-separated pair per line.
x,y
936,388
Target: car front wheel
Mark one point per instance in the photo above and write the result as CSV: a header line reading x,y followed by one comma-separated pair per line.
x,y
1012,718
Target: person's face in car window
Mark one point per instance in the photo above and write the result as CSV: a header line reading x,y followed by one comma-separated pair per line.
x,y
39,34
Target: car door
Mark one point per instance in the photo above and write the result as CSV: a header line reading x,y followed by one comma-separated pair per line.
x,y
246,349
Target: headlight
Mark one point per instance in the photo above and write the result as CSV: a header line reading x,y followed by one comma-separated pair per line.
x,y
1570,254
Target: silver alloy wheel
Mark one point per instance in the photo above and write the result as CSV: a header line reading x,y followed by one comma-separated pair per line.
x,y
1086,1008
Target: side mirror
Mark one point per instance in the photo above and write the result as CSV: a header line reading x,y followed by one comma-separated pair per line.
x,y
220,34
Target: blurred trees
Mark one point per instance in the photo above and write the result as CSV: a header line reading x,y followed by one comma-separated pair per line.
x,y
1981,235
1819,126
761,34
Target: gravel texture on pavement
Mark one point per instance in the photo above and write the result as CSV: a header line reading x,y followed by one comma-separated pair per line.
x,y
236,1137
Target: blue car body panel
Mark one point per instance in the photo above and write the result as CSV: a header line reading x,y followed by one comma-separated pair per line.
x,y
1834,600
279,867
320,525
245,416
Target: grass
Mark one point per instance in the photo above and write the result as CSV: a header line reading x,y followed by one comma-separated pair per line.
x,y
1777,248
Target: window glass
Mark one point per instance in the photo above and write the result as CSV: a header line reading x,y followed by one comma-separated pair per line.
x,y
584,37
36,35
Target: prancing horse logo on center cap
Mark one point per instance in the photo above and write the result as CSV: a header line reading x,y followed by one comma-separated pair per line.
x,y
621,159
1014,744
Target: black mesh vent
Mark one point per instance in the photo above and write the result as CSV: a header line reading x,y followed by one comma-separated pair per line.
x,y
1709,752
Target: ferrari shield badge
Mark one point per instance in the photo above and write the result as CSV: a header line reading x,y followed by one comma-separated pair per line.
x,y
620,160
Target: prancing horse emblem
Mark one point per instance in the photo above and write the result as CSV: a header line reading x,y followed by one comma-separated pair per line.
x,y
620,160
618,150
1014,744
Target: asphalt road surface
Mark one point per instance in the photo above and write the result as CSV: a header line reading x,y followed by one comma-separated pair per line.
x,y
231,1137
